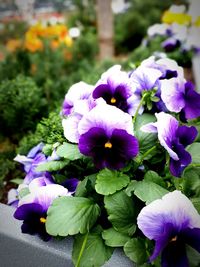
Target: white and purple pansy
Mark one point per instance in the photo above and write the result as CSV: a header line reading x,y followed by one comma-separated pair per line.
x,y
180,96
172,222
106,135
76,98
32,209
116,89
174,139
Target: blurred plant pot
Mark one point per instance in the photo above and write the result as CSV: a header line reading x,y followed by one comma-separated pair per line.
x,y
20,250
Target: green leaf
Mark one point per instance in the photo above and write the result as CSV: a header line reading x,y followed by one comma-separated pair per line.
x,y
152,176
193,256
108,182
149,191
90,251
196,203
54,165
135,249
71,215
146,140
69,151
47,149
17,181
194,150
191,182
86,186
121,212
113,238
131,187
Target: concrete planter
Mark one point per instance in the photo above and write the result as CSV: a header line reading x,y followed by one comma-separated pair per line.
x,y
22,250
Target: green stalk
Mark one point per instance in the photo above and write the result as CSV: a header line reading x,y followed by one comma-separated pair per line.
x,y
146,154
138,108
82,250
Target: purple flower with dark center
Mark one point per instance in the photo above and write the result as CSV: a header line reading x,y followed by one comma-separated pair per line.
x,y
172,222
174,139
76,98
170,44
106,135
180,96
115,90
32,208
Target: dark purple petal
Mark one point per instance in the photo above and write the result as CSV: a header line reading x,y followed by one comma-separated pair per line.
x,y
192,102
111,152
164,239
174,255
169,74
186,135
24,212
104,91
31,214
66,108
177,166
71,184
192,237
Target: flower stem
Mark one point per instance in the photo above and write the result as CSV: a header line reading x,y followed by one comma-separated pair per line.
x,y
82,250
146,154
138,108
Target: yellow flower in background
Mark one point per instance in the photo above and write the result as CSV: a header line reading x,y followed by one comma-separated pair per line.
x,y
197,22
57,35
179,18
13,44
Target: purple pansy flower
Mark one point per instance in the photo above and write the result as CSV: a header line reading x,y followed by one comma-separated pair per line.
x,y
32,208
180,96
76,98
106,135
31,162
172,222
170,44
116,89
13,198
174,139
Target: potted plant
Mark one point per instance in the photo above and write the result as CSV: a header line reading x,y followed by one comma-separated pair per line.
x,y
127,174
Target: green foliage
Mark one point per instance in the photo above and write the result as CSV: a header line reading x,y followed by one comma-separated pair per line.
x,y
52,166
71,215
69,151
89,250
108,182
114,238
49,130
21,106
121,212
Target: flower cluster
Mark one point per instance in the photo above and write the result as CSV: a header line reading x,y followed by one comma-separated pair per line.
x,y
179,30
57,35
123,176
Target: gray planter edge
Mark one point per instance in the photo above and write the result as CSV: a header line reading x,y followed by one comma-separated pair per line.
x,y
22,250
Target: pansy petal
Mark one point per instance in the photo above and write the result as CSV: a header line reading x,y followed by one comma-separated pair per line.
x,y
186,134
174,255
172,94
149,128
32,153
192,237
167,126
70,127
24,211
106,117
192,100
174,208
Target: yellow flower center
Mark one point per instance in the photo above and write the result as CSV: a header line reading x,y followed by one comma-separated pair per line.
x,y
42,220
113,100
174,239
108,145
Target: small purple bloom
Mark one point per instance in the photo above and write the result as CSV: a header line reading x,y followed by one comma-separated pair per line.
x,y
71,184
172,222
31,162
180,96
170,44
32,208
115,89
106,135
174,139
